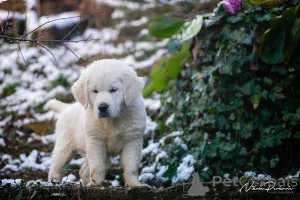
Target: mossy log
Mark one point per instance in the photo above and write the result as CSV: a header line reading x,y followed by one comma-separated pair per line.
x,y
123,193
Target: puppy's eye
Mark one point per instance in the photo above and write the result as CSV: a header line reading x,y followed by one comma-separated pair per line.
x,y
113,90
95,91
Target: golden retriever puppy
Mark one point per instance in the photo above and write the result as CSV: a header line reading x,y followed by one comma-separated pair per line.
x,y
109,118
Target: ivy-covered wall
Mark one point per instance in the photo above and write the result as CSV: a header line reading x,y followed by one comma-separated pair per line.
x,y
234,93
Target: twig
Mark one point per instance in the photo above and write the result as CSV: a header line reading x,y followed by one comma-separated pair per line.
x,y
88,39
72,52
75,27
40,38
22,55
47,50
64,18
37,40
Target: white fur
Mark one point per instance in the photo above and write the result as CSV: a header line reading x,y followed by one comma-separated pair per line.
x,y
81,127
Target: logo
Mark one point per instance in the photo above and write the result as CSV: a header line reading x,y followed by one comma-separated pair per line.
x,y
197,188
243,185
259,185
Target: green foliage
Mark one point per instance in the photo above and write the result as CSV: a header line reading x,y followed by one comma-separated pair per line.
x,y
237,112
174,46
10,89
166,70
266,3
61,80
276,41
295,40
164,27
191,28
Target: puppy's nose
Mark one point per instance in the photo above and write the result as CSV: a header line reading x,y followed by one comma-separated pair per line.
x,y
103,107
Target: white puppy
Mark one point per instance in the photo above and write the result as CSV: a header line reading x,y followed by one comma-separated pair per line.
x,y
109,119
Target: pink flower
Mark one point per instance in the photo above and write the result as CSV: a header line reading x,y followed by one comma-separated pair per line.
x,y
232,6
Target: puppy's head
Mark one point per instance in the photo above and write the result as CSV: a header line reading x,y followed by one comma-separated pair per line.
x,y
106,86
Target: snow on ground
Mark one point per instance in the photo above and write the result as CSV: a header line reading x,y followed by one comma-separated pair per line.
x,y
185,169
156,170
35,160
69,179
117,14
46,139
128,4
152,104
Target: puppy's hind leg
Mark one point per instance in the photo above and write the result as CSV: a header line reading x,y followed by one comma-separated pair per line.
x,y
61,155
84,173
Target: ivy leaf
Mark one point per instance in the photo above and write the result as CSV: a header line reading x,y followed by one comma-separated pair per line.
x,y
192,28
296,37
255,101
176,62
266,3
221,12
164,27
236,18
246,88
275,41
227,68
171,171
236,126
263,159
297,135
148,90
174,46
159,78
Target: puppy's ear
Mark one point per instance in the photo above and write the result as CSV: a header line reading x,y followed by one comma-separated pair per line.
x,y
132,86
79,90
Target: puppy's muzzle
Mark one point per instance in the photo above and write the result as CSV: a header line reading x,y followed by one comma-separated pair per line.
x,y
103,109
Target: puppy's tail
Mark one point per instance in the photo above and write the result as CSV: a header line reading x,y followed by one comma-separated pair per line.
x,y
55,105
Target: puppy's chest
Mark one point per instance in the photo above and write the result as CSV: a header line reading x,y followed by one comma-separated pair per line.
x,y
114,145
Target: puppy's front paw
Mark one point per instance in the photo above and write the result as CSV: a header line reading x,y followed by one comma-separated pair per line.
x,y
53,180
92,184
133,183
146,185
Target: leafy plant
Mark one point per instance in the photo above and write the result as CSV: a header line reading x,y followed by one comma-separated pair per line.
x,y
164,27
279,40
266,3
165,70
237,110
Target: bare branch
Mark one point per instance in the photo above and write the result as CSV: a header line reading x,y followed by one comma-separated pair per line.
x,y
22,55
37,40
43,46
88,39
64,18
72,52
75,27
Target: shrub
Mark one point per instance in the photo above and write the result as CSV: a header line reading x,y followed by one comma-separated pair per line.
x,y
237,103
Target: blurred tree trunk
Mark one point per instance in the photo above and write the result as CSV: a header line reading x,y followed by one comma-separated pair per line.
x,y
31,16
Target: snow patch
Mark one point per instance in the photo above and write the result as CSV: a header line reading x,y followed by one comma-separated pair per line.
x,y
185,169
152,104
